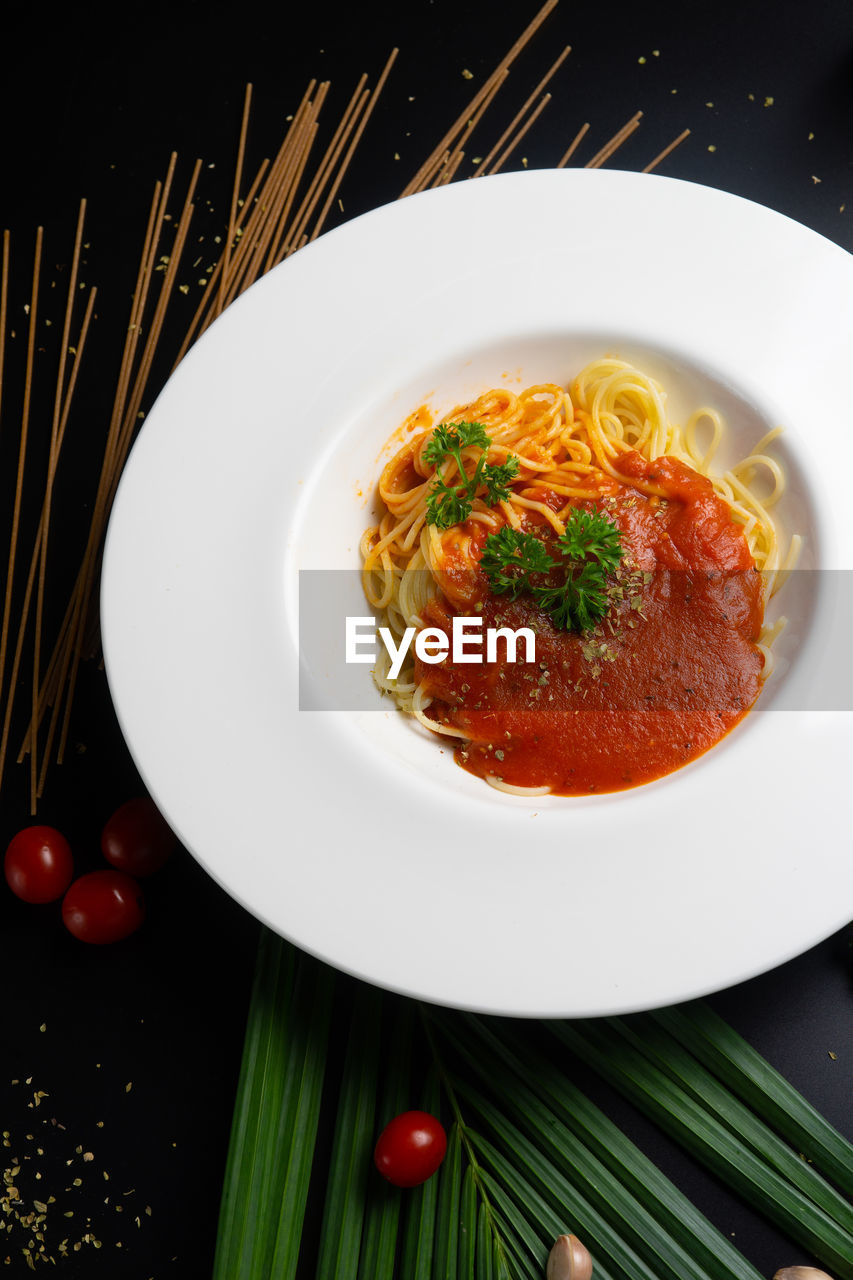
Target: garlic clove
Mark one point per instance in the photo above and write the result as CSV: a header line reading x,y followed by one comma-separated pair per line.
x,y
801,1273
569,1260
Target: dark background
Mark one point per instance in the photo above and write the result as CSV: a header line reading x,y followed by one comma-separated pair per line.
x,y
136,1047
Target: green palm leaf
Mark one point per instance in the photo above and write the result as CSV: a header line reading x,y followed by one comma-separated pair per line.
x,y
382,1215
553,1110
529,1155
655,1093
719,1047
350,1162
448,1213
534,1181
649,1037
422,1204
468,1210
487,1247
276,1116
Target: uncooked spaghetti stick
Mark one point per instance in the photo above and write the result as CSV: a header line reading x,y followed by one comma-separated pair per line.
x,y
472,125
615,142
508,132
458,125
501,161
302,150
345,163
110,473
22,457
309,200
53,457
448,171
573,146
676,142
47,688
197,323
256,230
302,133
225,257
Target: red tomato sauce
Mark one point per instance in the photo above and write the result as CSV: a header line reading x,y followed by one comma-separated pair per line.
x,y
670,670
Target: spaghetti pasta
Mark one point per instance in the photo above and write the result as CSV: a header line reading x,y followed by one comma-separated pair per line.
x,y
604,444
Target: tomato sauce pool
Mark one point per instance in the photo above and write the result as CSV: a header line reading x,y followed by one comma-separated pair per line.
x,y
668,672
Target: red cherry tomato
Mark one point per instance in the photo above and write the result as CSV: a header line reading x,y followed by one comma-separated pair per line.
x,y
410,1148
103,906
38,864
137,838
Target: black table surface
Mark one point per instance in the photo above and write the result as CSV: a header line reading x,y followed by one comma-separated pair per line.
x,y
129,1055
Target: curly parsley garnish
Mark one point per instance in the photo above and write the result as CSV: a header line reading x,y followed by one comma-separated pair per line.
x,y
591,549
592,534
449,504
580,602
508,559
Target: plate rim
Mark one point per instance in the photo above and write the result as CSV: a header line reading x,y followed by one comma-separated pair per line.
x,y
354,957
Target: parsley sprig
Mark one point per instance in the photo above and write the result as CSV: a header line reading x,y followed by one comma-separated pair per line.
x,y
592,534
508,558
590,549
449,504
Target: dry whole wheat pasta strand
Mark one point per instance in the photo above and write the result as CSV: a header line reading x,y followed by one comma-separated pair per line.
x,y
132,411
225,256
448,164
145,273
104,501
435,177
197,323
116,458
61,657
615,142
292,181
508,132
64,349
448,172
276,250
22,457
134,405
131,368
53,678
471,126
278,244
436,157
302,132
57,668
309,200
516,141
428,176
53,457
245,237
458,125
573,146
81,342
47,686
279,196
256,230
676,142
357,136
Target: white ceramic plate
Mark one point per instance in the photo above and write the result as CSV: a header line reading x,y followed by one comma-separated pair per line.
x,y
352,833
